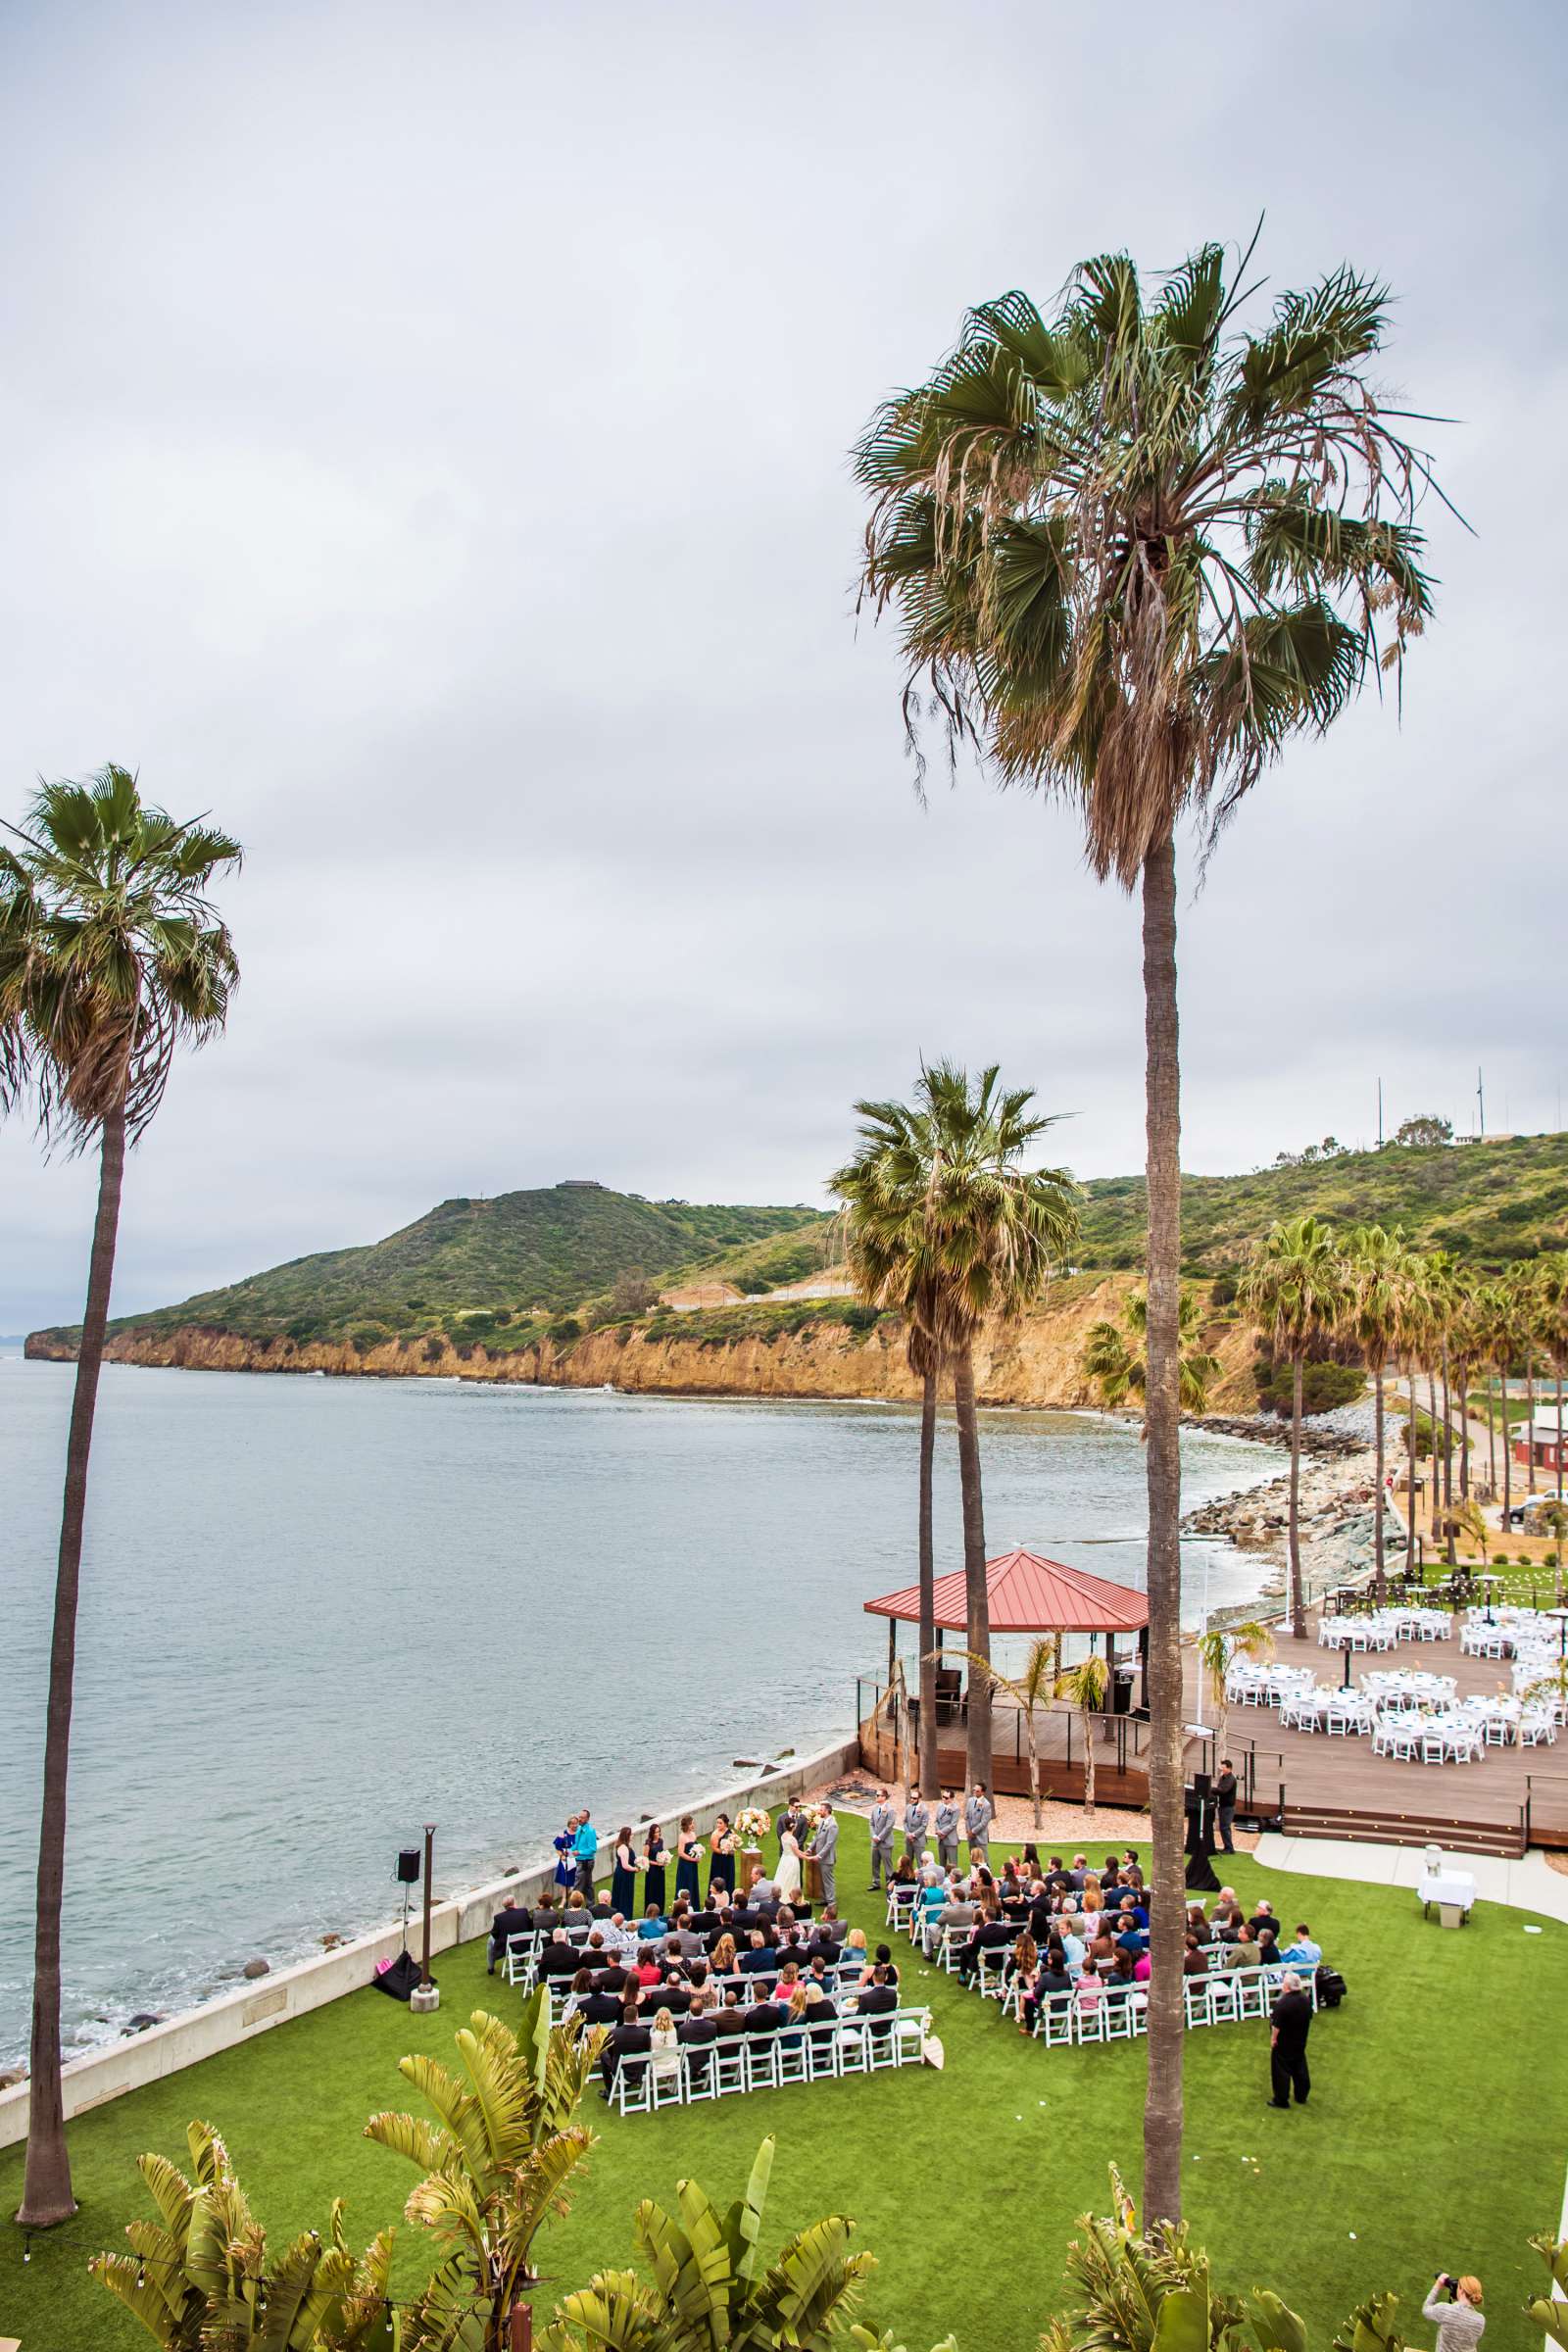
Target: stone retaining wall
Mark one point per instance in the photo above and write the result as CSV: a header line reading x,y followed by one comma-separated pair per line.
x,y
101,2075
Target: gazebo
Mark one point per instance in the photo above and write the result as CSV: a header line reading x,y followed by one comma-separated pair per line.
x,y
1028,1593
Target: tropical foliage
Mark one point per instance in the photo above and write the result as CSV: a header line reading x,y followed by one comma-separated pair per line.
x,y
1084,1687
710,2289
1219,1648
497,2162
199,2277
1030,1691
1116,1356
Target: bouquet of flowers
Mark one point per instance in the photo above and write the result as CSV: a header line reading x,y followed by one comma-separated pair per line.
x,y
813,1817
752,1824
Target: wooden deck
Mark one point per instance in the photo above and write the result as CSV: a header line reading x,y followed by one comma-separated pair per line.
x,y
1337,1788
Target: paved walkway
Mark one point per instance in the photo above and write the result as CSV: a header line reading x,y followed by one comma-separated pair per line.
x,y
1528,1886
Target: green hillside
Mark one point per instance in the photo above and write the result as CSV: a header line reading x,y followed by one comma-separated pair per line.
x,y
1488,1202
482,1267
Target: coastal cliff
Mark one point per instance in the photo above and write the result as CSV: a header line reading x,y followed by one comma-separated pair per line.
x,y
1035,1361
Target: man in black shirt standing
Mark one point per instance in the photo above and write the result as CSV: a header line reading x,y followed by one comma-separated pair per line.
x,y
1291,2019
1225,1803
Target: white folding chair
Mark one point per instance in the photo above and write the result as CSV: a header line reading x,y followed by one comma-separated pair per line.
x,y
851,2047
1088,2021
1224,1999
1054,2025
908,2037
821,2052
632,2093
881,2043
670,2089
1119,2014
761,2061
729,2065
697,2071
792,2055
1433,1748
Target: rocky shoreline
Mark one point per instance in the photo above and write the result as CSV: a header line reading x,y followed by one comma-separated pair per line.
x,y
1337,1499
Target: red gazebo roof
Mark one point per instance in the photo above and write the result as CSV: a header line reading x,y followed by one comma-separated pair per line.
x,y
1028,1594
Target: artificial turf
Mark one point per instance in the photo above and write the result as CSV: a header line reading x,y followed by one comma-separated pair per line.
x,y
1433,2138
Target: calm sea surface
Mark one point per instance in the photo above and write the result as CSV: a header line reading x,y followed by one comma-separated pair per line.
x,y
316,1613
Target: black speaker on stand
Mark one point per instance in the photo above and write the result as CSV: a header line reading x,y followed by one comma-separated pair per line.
x,y
401,1975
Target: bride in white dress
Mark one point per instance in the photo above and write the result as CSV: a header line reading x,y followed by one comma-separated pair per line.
x,y
788,1875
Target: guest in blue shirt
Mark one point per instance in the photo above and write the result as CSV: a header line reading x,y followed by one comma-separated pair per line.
x,y
1304,1952
585,1845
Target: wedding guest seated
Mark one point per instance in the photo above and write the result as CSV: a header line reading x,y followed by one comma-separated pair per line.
x,y
1302,1950
1263,1916
1071,1945
879,1999
1022,1962
903,1872
559,1957
789,1977
1268,1946
697,2033
765,2017
1132,1873
829,1928
1120,1981
683,1939
821,2009
1194,1963
1059,1879
758,1959
854,1954
626,2045
794,2016
513,1919
612,1979
664,2045
731,2017
653,1927
648,1969
1198,1926
992,1933
957,1911
760,1891
723,1956
884,1959
592,2003
1242,1952
1142,1968
1088,1991
578,1914
671,1995
1091,1895
817,1969
1228,1921
1055,1973
1102,1951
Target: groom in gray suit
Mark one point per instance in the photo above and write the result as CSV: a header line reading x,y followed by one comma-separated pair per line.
x,y
826,1851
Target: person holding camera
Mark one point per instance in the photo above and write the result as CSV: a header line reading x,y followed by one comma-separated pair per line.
x,y
1457,2320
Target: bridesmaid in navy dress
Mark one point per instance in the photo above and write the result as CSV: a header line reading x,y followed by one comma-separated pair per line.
x,y
687,1856
722,1866
623,1877
655,1854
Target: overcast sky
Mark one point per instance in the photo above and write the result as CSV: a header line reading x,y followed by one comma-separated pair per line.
x,y
425,439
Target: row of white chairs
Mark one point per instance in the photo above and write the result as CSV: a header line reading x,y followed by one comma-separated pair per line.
x,y
748,1988
742,2062
1212,2000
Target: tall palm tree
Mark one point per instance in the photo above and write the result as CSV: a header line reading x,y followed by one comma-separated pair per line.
x,y
1116,1356
1134,549
1552,1330
1497,1312
1296,1285
1033,1689
1374,1314
965,1231
888,1244
111,957
1084,1687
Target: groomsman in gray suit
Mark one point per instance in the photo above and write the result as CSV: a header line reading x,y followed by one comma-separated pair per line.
x,y
945,1821
826,1851
917,1821
978,1815
882,1826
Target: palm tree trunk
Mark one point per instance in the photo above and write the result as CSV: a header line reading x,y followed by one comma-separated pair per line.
x,y
1436,1514
1464,1433
1086,1721
1378,1585
976,1598
930,1784
46,2193
1162,2104
1297,1594
1448,1551
1034,1766
1491,1431
1507,1450
1530,1408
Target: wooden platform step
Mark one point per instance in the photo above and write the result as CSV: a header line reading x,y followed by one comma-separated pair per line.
x,y
1504,1840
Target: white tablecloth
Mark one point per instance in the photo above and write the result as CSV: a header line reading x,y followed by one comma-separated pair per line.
x,y
1448,1886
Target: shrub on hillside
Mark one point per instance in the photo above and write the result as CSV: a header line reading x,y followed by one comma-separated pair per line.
x,y
365,1336
1323,1386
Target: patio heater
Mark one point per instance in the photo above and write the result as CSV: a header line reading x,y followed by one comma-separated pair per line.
x,y
426,1995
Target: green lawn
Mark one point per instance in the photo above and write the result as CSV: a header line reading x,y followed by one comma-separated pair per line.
x,y
1433,2140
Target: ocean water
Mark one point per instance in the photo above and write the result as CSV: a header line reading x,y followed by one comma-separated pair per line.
x,y
316,1613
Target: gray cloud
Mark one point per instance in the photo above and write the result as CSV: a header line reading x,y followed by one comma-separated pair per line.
x,y
427,450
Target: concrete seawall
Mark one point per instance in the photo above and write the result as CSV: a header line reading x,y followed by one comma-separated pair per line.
x,y
101,2075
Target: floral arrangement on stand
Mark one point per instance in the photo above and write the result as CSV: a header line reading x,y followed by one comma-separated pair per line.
x,y
752,1824
813,1817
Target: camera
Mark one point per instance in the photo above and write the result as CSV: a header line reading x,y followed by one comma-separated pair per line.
x,y
1447,2284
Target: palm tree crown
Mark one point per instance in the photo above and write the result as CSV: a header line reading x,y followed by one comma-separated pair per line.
x,y
1132,549
111,954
